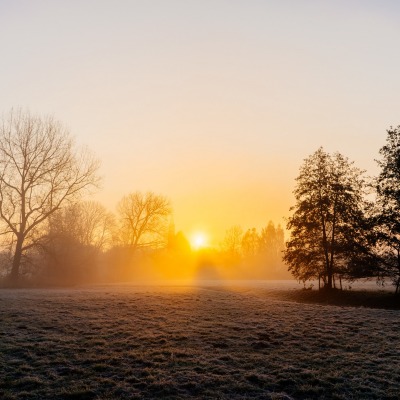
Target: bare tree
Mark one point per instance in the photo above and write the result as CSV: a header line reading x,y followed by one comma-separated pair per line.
x,y
40,169
88,222
76,237
144,220
250,243
272,243
232,243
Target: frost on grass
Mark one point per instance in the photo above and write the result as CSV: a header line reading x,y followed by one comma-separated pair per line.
x,y
192,342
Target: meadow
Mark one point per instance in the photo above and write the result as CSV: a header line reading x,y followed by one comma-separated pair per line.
x,y
193,341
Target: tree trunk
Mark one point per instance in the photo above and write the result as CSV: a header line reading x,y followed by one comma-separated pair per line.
x,y
16,260
398,276
329,283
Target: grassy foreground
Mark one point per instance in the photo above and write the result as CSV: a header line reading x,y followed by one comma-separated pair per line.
x,y
193,342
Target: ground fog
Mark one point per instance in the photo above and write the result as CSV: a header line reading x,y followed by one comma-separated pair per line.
x,y
193,341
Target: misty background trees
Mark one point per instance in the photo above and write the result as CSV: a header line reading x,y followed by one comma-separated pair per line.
x,y
255,254
343,226
51,235
74,241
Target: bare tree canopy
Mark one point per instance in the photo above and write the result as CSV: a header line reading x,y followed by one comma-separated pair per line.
x,y
144,220
88,223
74,241
40,169
232,243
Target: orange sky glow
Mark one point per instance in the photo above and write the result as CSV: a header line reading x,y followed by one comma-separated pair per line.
x,y
213,104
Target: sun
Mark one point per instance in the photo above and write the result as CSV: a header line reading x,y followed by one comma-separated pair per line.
x,y
198,240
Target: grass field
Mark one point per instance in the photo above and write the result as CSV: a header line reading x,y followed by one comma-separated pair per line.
x,y
179,342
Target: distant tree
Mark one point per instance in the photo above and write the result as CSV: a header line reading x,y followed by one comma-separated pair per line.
x,y
327,220
178,243
76,236
144,220
272,243
40,170
232,243
388,201
250,242
88,222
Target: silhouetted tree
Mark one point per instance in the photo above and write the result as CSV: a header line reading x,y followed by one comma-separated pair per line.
x,y
39,171
388,201
327,219
144,220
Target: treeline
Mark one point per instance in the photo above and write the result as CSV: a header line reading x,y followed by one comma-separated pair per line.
x,y
50,236
83,242
343,224
255,254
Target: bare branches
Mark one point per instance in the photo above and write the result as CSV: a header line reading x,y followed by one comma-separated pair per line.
x,y
40,169
143,219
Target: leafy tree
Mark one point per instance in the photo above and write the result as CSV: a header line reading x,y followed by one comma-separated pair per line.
x,y
40,170
327,220
144,220
388,201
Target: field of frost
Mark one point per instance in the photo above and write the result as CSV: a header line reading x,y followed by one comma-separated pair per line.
x,y
193,341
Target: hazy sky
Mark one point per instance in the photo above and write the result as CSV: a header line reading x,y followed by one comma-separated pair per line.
x,y
212,103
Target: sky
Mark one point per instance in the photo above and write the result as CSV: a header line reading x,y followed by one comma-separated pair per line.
x,y
212,103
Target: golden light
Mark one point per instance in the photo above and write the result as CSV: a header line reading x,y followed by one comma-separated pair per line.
x,y
198,241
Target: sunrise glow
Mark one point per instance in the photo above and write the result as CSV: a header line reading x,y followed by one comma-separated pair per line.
x,y
199,199
198,241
